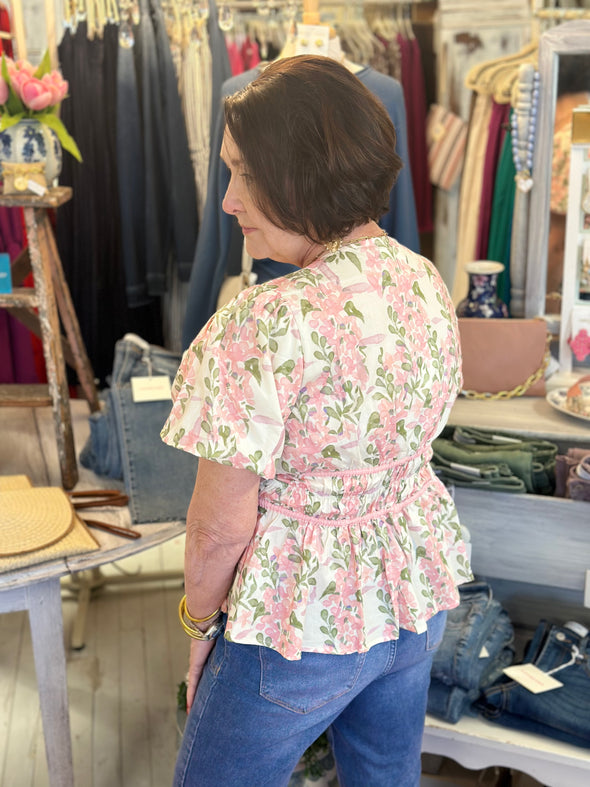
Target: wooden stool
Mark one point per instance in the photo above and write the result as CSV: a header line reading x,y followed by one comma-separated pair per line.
x,y
51,297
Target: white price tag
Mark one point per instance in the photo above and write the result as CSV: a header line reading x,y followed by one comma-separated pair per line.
x,y
532,678
151,389
484,653
36,188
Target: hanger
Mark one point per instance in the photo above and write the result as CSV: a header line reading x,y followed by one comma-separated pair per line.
x,y
479,76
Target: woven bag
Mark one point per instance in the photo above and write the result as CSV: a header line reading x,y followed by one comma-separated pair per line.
x,y
38,524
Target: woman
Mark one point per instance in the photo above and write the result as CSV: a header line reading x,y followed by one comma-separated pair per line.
x,y
316,523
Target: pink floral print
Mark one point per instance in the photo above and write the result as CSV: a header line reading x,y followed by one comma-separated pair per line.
x,y
331,384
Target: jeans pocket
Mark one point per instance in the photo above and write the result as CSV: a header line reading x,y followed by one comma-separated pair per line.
x,y
310,683
435,630
217,655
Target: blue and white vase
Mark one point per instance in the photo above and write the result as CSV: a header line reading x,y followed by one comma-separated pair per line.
x,y
482,299
30,141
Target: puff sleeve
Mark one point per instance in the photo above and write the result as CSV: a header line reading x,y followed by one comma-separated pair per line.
x,y
237,383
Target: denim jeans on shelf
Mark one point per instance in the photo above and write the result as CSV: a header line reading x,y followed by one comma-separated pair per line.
x,y
478,621
262,712
450,703
125,438
562,713
475,649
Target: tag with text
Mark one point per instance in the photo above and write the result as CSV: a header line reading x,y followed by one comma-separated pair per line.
x,y
532,678
151,389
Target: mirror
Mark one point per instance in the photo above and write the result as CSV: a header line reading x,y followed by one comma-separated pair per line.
x,y
564,53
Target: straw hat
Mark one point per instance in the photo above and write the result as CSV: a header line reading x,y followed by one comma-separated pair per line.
x,y
38,524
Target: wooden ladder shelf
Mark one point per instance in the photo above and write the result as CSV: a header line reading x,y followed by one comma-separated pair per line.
x,y
40,310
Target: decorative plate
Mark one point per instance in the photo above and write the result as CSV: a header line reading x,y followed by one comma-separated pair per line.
x,y
558,399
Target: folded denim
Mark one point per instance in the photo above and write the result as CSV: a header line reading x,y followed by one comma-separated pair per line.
x,y
450,703
125,439
492,477
478,622
562,713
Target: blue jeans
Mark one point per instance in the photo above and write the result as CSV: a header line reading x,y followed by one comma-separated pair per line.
x,y
255,713
125,438
478,621
562,713
450,703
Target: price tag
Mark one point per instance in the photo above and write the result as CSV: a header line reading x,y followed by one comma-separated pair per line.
x,y
484,653
36,188
532,678
151,389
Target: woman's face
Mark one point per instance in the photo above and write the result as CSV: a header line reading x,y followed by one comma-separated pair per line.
x,y
261,236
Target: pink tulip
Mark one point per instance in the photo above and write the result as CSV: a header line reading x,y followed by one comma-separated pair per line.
x,y
3,91
10,66
56,84
25,67
35,95
17,79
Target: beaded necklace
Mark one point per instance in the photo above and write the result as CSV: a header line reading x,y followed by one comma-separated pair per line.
x,y
523,126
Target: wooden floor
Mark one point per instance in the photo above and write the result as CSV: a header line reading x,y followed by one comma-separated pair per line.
x,y
122,684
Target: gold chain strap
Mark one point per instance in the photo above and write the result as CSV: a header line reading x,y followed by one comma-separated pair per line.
x,y
523,387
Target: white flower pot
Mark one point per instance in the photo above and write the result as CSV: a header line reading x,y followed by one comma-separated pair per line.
x,y
30,140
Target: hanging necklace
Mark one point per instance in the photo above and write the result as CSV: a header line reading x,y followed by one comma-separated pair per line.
x,y
335,245
523,126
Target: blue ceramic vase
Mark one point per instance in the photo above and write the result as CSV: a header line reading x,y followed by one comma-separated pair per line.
x,y
482,299
31,141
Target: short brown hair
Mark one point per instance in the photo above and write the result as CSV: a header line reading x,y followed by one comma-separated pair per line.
x,y
318,146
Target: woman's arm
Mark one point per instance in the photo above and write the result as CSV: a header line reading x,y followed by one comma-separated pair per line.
x,y
220,523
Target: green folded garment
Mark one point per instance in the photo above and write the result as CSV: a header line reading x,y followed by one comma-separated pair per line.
x,y
497,478
532,461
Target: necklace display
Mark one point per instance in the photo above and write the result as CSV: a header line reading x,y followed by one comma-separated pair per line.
x,y
523,127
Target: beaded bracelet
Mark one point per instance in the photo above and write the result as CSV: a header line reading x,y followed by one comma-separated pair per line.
x,y
184,611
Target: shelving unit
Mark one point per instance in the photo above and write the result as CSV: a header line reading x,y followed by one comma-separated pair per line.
x,y
530,539
576,235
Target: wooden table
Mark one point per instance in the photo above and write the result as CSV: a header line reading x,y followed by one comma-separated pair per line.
x,y
27,446
37,590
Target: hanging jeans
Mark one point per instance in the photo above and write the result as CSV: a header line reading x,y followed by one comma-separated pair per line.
x,y
562,713
125,438
476,647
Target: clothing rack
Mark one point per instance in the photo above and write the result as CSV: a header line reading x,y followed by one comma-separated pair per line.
x,y
562,14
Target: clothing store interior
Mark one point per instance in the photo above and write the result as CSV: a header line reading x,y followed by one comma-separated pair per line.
x,y
115,252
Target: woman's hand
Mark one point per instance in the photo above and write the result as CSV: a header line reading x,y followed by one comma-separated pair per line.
x,y
199,654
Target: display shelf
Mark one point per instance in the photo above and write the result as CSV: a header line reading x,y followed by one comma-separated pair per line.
x,y
530,539
475,743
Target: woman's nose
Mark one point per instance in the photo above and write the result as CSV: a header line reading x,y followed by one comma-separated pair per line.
x,y
231,203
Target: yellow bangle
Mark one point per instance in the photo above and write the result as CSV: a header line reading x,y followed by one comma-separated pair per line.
x,y
184,612
194,632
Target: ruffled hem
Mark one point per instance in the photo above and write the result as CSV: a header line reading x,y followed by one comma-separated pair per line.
x,y
342,589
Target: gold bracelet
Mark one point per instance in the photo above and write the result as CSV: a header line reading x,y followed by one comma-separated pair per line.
x,y
194,632
185,612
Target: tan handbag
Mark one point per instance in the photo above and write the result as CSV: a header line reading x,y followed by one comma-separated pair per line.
x,y
503,358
